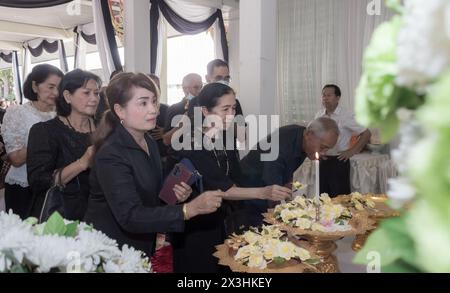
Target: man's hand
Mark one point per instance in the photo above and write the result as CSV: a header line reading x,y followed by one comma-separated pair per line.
x,y
344,156
157,133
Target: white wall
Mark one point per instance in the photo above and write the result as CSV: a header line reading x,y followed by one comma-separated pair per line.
x,y
137,35
257,55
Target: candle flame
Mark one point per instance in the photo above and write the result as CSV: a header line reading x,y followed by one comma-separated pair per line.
x,y
317,155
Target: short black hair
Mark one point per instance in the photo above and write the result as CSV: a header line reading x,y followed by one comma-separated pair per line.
x,y
215,63
72,81
211,93
337,90
39,74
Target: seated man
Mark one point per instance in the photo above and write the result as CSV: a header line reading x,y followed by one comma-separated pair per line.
x,y
295,143
335,167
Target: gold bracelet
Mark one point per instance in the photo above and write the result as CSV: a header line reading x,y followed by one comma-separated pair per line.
x,y
185,214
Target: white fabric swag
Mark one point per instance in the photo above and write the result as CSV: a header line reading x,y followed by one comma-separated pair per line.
x,y
193,13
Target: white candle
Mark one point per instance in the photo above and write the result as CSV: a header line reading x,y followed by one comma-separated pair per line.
x,y
316,163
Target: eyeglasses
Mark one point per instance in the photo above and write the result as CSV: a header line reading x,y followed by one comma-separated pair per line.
x,y
221,78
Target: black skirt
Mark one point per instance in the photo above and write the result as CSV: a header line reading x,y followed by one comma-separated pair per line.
x,y
18,199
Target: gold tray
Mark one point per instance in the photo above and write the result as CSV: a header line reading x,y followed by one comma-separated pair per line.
x,y
381,210
226,254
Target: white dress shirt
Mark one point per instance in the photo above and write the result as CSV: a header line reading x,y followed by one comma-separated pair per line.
x,y
348,127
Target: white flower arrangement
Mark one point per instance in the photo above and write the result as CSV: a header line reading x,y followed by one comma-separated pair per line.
x,y
423,47
301,213
258,249
360,202
63,246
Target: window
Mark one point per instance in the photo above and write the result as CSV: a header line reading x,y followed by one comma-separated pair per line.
x,y
186,54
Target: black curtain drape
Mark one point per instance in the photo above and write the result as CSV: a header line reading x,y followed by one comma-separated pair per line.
x,y
50,47
181,25
65,67
6,57
111,36
90,39
32,3
17,76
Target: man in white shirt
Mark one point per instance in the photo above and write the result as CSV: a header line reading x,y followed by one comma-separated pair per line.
x,y
335,168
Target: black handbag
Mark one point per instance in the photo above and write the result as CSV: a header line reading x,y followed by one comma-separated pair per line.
x,y
54,199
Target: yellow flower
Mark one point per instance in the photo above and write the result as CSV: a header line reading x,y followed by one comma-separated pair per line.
x,y
257,260
359,206
303,223
370,203
243,252
318,227
301,253
269,249
285,250
357,196
287,215
297,185
251,237
325,198
298,213
300,200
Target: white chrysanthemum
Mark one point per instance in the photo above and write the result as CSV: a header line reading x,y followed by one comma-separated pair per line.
x,y
14,240
130,261
423,50
52,252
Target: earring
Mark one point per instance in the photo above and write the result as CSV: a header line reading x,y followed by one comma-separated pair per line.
x,y
121,121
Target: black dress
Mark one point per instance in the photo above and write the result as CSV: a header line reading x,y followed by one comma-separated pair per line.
x,y
123,202
53,145
193,249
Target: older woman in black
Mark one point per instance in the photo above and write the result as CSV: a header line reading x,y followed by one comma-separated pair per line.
x,y
63,144
126,177
220,169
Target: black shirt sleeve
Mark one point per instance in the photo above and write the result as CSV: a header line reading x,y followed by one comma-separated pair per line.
x,y
116,179
42,153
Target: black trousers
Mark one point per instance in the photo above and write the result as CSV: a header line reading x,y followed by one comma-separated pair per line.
x,y
18,199
334,176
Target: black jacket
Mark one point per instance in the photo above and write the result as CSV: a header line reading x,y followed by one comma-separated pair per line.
x,y
123,202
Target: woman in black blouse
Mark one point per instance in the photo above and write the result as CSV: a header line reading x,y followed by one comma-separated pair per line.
x,y
63,144
220,169
126,176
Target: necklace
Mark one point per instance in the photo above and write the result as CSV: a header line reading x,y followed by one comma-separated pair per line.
x,y
70,125
218,162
